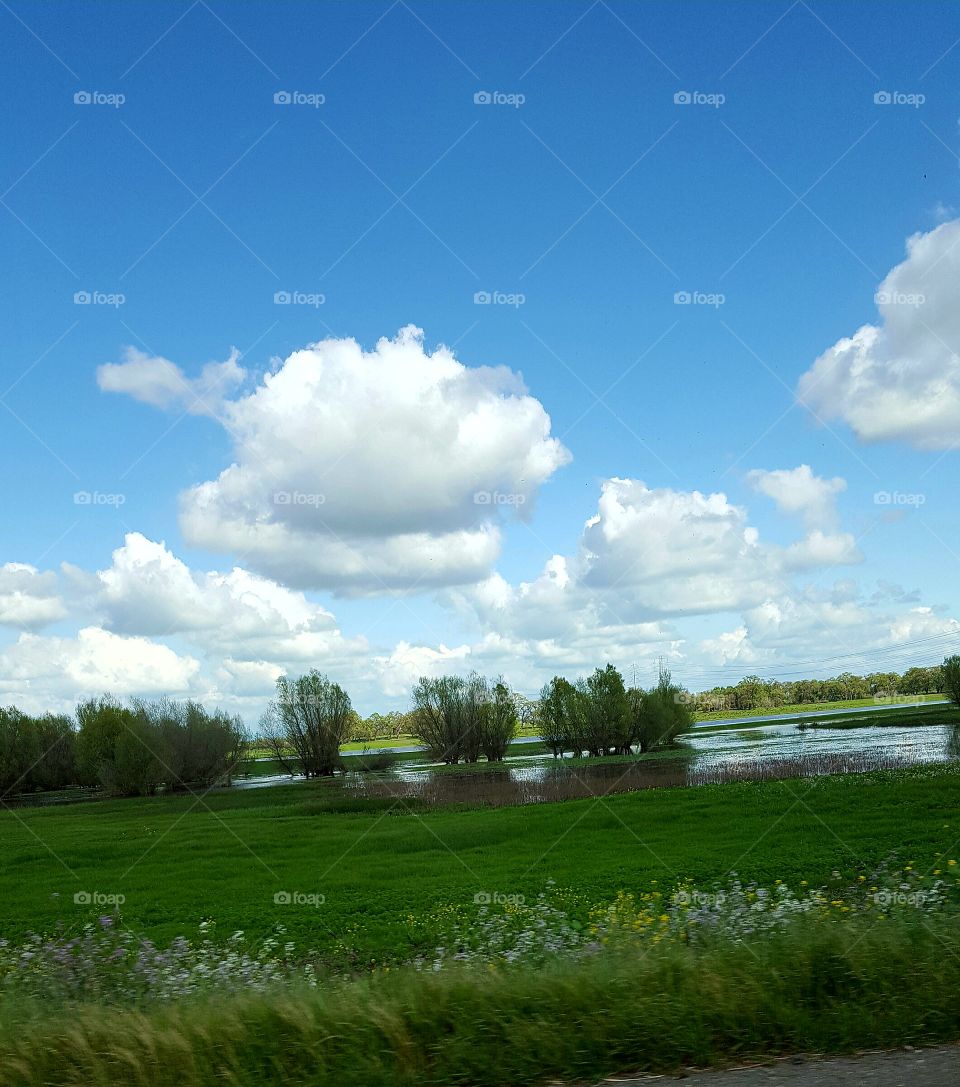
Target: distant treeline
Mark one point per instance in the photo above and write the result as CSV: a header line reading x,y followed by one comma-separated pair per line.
x,y
753,693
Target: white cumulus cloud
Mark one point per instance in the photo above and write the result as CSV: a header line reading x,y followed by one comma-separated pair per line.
x,y
37,670
372,471
899,379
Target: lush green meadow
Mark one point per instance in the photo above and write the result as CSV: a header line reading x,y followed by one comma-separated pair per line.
x,y
386,869
936,713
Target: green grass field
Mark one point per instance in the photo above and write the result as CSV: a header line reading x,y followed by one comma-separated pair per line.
x,y
385,871
935,714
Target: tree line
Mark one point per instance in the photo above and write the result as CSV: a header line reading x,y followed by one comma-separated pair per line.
x,y
466,718
752,692
140,747
127,750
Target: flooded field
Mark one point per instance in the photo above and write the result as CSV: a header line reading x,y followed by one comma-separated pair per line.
x,y
762,753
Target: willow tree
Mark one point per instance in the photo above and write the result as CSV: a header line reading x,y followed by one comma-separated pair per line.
x,y
306,724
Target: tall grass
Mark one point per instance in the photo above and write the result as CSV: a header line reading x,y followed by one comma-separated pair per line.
x,y
828,988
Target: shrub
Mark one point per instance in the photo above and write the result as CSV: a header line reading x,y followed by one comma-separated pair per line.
x,y
951,678
195,747
135,767
437,714
561,716
101,720
608,715
134,750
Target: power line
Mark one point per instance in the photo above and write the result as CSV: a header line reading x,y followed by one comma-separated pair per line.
x,y
885,655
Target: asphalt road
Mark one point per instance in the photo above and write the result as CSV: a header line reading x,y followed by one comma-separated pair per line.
x,y
937,1067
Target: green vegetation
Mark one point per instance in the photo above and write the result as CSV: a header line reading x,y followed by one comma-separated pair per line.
x,y
457,718
770,696
828,988
306,724
951,678
912,717
36,752
598,716
811,707
386,867
127,750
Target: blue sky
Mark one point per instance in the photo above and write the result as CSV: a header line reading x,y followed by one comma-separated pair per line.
x,y
780,199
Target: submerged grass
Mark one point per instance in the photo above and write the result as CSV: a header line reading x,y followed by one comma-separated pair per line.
x,y
827,988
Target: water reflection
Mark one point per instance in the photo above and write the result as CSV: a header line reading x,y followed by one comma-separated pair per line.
x,y
569,780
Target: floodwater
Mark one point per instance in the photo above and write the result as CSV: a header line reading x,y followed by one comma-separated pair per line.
x,y
766,752
762,752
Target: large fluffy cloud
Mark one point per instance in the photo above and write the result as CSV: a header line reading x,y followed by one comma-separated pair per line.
x,y
650,560
147,590
900,379
366,471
